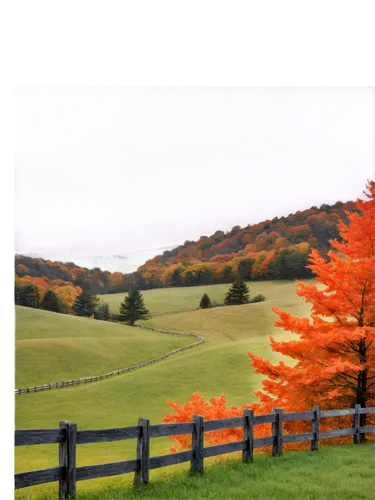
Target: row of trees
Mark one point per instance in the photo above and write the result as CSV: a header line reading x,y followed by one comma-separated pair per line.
x,y
28,295
272,249
332,361
287,263
132,308
86,304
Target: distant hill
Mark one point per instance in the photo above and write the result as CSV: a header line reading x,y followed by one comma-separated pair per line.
x,y
122,262
272,249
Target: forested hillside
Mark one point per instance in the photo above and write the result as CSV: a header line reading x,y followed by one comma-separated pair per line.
x,y
272,249
43,273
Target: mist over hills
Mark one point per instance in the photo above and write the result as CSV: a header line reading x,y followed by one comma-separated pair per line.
x,y
124,263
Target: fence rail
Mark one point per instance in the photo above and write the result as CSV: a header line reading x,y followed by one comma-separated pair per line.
x,y
68,437
87,380
154,315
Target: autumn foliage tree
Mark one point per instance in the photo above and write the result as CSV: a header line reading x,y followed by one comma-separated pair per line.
x,y
331,363
334,355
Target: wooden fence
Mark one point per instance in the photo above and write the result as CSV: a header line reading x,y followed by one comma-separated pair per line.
x,y
87,380
154,315
67,436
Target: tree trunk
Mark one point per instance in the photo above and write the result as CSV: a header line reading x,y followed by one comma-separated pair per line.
x,y
361,390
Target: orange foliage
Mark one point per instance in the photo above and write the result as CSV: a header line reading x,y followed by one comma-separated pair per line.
x,y
67,293
269,258
281,243
64,289
333,355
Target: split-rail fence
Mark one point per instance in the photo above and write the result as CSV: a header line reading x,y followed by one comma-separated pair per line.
x,y
68,437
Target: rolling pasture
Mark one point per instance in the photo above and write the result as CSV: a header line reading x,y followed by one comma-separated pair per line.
x,y
52,347
219,365
171,299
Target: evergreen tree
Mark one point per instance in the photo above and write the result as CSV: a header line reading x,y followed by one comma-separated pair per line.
x,y
205,301
133,308
84,304
238,294
29,296
102,312
51,301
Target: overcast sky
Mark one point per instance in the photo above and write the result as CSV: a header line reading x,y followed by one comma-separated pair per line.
x,y
102,170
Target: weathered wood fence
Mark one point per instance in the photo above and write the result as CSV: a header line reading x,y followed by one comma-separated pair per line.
x,y
67,436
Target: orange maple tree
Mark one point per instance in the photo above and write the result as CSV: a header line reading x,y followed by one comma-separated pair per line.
x,y
332,361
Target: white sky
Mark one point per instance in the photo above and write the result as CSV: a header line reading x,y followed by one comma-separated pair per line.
x,y
112,169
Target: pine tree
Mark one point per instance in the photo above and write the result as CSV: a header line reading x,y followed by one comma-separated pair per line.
x,y
84,304
133,308
102,312
238,294
205,301
51,301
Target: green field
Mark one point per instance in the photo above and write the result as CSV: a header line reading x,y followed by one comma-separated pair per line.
x,y
335,473
171,299
52,347
219,365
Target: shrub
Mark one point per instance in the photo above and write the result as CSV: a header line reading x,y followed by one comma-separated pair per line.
x,y
258,298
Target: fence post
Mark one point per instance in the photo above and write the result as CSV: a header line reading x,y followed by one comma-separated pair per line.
x,y
277,432
67,460
248,434
63,462
315,429
72,453
197,444
357,424
143,451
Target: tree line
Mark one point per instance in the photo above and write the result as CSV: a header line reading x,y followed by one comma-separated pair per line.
x,y
272,249
132,309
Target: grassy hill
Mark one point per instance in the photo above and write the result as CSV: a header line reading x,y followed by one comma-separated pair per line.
x,y
171,299
219,365
52,347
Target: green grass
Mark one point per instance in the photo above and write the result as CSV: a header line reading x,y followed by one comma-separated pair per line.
x,y
53,347
335,473
170,299
219,365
